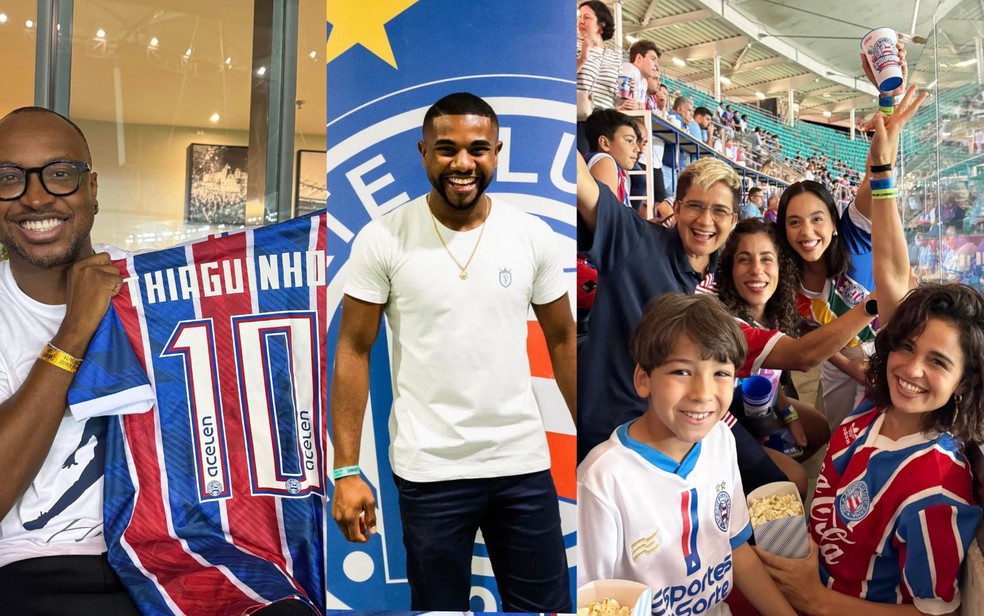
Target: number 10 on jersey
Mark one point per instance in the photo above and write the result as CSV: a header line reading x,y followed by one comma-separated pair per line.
x,y
279,381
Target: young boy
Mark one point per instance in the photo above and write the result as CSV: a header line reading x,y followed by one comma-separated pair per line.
x,y
614,145
661,501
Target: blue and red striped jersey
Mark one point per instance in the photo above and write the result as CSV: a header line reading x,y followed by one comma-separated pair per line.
x,y
893,518
215,500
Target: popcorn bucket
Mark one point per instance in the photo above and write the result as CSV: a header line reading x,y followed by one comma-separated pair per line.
x,y
638,597
784,536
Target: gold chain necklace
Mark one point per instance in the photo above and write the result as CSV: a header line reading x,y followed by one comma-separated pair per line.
x,y
463,275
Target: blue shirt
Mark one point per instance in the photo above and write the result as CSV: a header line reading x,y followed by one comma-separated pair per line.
x,y
749,210
637,261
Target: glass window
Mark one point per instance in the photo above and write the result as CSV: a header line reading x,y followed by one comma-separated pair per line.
x,y
147,84
310,188
943,152
17,47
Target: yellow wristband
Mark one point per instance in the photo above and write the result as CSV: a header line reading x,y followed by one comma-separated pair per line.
x,y
56,357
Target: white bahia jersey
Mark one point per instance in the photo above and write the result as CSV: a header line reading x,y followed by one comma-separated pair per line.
x,y
672,526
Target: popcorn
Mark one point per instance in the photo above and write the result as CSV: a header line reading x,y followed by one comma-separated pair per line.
x,y
606,607
774,507
778,520
614,598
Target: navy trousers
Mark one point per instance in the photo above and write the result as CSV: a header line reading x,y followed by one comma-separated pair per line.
x,y
520,521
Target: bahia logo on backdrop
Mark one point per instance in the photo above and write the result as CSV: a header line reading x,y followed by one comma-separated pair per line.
x,y
386,66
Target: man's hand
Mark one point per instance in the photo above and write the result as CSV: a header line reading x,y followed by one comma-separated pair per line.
x,y
92,283
354,509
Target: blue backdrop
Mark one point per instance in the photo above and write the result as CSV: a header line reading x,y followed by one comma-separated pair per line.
x,y
387,62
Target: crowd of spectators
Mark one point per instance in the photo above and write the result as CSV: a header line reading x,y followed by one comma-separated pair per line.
x,y
797,270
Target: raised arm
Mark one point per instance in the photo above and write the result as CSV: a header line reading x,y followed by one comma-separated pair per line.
x,y
30,417
808,351
588,194
862,201
889,250
558,328
349,394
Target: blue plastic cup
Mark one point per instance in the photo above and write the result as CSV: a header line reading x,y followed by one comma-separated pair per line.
x,y
756,393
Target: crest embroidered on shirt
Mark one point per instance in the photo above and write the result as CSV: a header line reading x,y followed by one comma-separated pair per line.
x,y
505,277
851,292
722,509
853,504
646,545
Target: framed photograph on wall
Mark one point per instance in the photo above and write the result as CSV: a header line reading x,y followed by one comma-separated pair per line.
x,y
311,190
216,184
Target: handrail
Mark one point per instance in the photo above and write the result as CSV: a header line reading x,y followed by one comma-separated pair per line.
x,y
681,140
806,139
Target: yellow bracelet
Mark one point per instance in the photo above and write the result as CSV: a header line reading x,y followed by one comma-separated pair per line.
x,y
57,357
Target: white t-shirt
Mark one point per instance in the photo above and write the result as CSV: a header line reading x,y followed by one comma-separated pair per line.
x,y
672,526
641,88
62,508
463,404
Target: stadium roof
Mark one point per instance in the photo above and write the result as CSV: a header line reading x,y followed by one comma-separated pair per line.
x,y
769,47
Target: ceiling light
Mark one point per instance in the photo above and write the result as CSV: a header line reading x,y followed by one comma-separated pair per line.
x,y
678,61
261,71
100,33
826,114
3,18
631,39
154,42
229,61
213,118
313,55
966,62
725,80
29,23
188,52
826,94
760,96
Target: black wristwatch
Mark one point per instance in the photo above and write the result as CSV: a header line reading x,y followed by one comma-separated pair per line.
x,y
871,307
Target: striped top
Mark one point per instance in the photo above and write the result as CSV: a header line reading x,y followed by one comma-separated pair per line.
x,y
599,75
893,518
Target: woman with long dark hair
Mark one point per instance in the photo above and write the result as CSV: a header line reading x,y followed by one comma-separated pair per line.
x,y
758,285
894,513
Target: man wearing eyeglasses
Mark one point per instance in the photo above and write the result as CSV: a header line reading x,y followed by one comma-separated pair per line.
x,y
55,290
638,261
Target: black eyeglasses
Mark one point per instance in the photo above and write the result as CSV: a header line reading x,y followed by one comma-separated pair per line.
x,y
59,178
